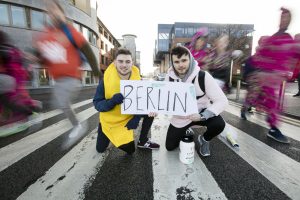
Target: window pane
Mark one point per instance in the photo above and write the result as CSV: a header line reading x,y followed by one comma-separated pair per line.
x,y
37,19
18,16
85,33
44,78
76,26
4,14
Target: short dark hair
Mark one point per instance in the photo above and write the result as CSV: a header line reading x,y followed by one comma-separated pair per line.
x,y
179,51
123,51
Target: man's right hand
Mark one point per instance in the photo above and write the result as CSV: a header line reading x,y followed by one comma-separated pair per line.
x,y
117,98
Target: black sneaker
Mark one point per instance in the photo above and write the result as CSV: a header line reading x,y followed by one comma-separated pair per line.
x,y
297,95
148,145
276,134
243,114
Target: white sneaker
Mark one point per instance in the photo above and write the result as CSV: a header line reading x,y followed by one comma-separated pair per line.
x,y
77,130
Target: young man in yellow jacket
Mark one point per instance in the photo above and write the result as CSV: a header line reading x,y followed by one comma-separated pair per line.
x,y
115,127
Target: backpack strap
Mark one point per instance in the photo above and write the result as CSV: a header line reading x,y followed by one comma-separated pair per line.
x,y
69,35
201,79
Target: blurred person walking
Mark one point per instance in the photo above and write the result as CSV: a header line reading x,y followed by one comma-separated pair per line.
x,y
198,48
272,60
60,49
17,107
296,72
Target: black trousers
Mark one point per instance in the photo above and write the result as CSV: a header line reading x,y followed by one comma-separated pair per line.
x,y
215,126
103,142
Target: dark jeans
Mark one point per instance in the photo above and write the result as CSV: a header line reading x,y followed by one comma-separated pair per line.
x,y
215,126
103,142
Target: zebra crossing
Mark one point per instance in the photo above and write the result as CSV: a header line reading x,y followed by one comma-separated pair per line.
x,y
39,165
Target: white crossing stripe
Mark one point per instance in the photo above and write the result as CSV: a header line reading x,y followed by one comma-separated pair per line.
x,y
68,178
175,180
289,130
21,148
52,113
278,168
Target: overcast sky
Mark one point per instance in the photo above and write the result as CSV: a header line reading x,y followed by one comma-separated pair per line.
x,y
141,17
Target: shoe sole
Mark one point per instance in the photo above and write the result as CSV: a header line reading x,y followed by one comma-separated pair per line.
x,y
285,142
204,155
142,147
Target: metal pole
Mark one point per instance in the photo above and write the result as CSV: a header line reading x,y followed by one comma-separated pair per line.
x,y
238,88
230,78
281,95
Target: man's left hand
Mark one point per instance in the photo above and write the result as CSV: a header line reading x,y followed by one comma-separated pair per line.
x,y
196,117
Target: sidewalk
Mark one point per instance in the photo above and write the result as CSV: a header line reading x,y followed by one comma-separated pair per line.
x,y
291,105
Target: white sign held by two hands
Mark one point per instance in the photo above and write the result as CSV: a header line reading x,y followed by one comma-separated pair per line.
x,y
173,98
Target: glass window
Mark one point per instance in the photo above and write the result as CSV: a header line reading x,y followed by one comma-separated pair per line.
x,y
100,29
37,19
48,21
44,79
84,5
18,16
76,26
90,37
179,32
85,33
102,60
4,19
88,78
94,39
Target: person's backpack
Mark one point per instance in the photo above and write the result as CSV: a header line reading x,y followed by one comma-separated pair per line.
x,y
69,35
201,79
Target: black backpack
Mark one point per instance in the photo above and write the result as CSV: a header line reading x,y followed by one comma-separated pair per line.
x,y
201,79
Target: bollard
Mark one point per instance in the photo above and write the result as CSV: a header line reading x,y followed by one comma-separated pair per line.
x,y
230,77
238,88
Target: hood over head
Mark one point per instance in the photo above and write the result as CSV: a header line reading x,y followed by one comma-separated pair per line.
x,y
193,64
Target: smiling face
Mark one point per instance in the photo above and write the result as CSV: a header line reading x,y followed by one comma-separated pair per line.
x,y
181,64
123,64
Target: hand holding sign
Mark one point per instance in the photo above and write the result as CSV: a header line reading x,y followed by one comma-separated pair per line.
x,y
117,98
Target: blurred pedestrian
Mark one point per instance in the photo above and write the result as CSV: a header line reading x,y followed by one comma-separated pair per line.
x,y
16,104
211,101
272,61
113,126
199,47
296,72
61,48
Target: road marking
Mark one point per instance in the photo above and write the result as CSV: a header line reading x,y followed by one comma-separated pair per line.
x,y
289,130
74,172
278,168
47,115
175,180
21,148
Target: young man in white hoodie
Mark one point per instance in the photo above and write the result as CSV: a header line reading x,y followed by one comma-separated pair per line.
x,y
211,102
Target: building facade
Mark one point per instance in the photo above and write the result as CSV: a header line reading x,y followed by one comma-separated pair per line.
x,y
107,44
22,20
170,35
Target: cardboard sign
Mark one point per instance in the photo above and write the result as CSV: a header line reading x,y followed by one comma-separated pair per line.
x,y
173,98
